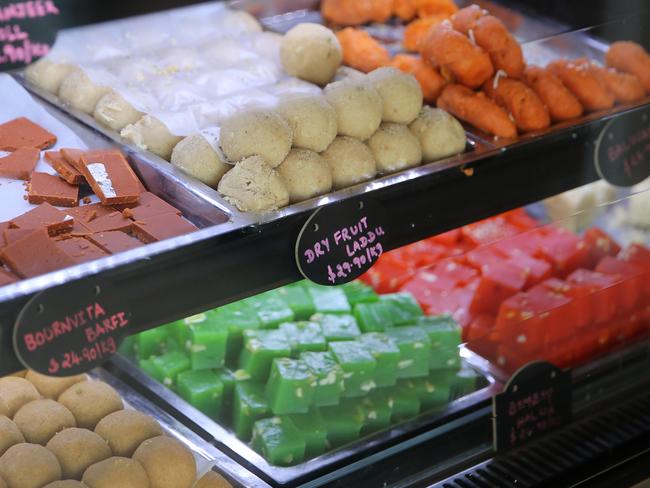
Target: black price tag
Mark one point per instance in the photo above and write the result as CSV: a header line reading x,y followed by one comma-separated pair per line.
x,y
622,153
342,241
71,329
536,400
27,31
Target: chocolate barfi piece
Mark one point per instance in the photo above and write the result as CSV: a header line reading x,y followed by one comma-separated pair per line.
x,y
65,170
73,156
160,227
34,255
22,132
20,163
44,216
43,187
88,213
3,226
111,178
80,250
113,221
114,241
12,235
7,277
148,206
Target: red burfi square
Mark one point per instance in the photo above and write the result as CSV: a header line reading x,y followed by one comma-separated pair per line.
x,y
43,187
22,132
34,255
44,216
632,279
19,164
66,171
498,281
160,227
604,293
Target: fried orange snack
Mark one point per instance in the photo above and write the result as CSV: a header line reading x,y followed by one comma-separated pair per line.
x,y
624,86
589,89
477,110
404,9
465,19
456,56
427,8
417,30
520,101
346,12
381,10
630,57
504,50
430,80
561,103
361,51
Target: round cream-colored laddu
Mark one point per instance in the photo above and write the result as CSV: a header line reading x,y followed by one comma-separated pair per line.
x,y
168,463
358,106
395,148
345,73
39,420
305,175
195,156
151,134
256,133
14,393
115,112
65,484
76,449
79,91
401,94
29,466
440,134
50,386
350,161
10,434
253,186
312,121
311,52
91,401
125,430
116,471
48,75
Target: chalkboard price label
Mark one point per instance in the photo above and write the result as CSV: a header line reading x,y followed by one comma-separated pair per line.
x,y
71,329
622,154
342,241
535,401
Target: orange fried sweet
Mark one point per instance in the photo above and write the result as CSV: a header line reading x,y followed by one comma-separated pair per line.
x,y
381,10
589,89
478,110
504,50
630,57
404,9
361,51
427,8
625,87
416,31
429,78
465,19
561,103
346,12
456,56
520,101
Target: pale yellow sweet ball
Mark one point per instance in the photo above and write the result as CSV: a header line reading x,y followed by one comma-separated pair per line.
x,y
91,401
253,186
51,387
10,434
395,148
3,483
358,106
77,449
311,52
39,420
125,430
79,91
48,75
65,484
195,156
113,111
213,480
14,393
116,472
151,134
400,92
168,463
440,134
305,175
312,121
351,162
29,466
256,133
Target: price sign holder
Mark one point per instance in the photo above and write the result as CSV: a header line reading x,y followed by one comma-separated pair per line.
x,y
71,329
535,401
622,153
340,242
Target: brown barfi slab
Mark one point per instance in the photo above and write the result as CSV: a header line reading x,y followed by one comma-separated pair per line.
x,y
7,277
43,187
111,178
80,249
87,213
66,171
20,163
12,235
22,132
161,226
73,156
114,241
44,216
149,206
3,226
112,221
35,254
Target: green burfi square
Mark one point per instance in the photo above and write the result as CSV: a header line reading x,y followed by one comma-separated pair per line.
x,y
343,425
386,354
279,441
433,391
378,411
298,300
202,389
358,367
404,401
329,377
271,309
415,348
313,430
151,342
229,379
304,336
147,366
445,335
290,388
337,327
329,299
236,318
207,344
260,348
465,382
168,366
374,317
249,405
358,292
404,309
